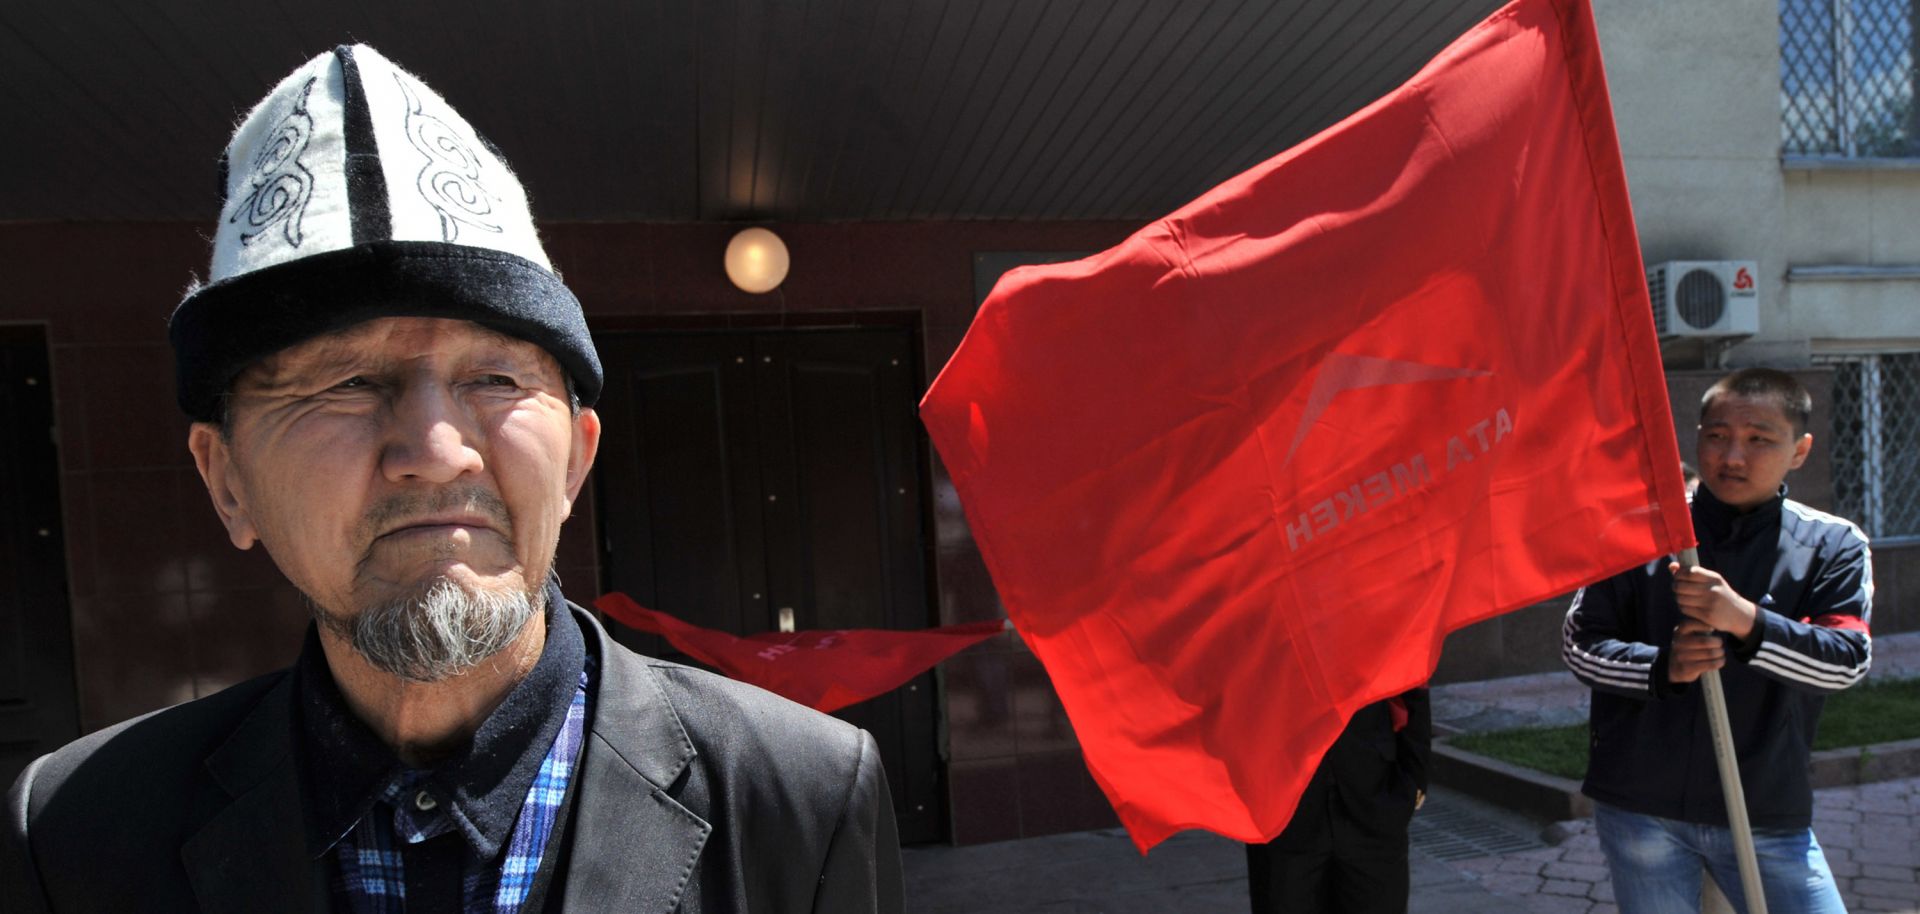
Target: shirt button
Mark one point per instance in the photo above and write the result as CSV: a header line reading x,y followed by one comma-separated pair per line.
x,y
424,801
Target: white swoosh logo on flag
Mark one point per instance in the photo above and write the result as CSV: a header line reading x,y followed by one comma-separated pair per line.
x,y
1340,373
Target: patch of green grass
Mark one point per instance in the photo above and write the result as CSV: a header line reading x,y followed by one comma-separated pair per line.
x,y
1555,750
1873,712
1877,712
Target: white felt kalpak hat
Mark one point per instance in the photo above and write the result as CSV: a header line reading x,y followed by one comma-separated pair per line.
x,y
354,192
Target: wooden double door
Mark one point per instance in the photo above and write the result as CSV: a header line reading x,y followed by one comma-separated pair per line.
x,y
744,475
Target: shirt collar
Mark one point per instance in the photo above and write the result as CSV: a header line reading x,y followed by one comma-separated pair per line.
x,y
345,766
1717,521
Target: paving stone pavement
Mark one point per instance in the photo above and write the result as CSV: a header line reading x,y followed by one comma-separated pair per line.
x,y
1871,834
1099,872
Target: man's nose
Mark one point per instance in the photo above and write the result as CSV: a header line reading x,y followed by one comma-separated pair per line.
x,y
432,437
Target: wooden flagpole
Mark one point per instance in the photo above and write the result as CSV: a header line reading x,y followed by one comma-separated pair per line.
x,y
1736,798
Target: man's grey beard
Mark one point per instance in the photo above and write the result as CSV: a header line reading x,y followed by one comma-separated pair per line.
x,y
440,633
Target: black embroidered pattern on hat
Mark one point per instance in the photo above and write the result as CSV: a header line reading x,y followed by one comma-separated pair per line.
x,y
450,181
281,183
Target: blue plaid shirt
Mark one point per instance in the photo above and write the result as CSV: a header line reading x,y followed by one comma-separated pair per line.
x,y
468,833
372,873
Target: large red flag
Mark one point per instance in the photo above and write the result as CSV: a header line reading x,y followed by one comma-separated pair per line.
x,y
1240,475
824,670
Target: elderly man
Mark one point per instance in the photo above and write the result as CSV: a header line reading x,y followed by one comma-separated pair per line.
x,y
392,395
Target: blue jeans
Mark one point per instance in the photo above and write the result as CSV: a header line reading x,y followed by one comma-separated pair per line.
x,y
1656,865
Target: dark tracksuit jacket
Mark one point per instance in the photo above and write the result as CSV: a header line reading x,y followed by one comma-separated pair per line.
x,y
1651,748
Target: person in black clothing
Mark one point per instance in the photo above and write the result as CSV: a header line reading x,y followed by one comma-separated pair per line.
x,y
1346,848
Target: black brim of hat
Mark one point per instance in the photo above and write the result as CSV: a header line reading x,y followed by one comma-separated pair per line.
x,y
222,328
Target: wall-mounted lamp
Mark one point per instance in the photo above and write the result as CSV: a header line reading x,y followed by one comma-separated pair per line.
x,y
756,260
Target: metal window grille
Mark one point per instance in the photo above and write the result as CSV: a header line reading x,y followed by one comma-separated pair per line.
x,y
1847,73
1876,442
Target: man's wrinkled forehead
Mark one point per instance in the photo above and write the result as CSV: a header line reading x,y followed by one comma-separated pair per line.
x,y
354,345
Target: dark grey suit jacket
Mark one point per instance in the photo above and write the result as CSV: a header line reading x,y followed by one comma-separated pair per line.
x,y
697,793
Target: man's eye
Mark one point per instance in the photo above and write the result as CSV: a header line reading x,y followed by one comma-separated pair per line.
x,y
500,380
351,383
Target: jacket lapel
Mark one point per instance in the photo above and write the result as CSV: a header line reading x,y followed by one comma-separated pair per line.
x,y
627,855
634,845
251,855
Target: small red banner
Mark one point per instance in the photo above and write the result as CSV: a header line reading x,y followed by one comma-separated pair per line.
x,y
824,670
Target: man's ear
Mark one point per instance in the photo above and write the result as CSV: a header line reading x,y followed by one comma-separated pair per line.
x,y
586,444
214,457
1801,449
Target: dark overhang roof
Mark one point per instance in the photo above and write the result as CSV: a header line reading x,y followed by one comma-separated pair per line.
x,y
725,110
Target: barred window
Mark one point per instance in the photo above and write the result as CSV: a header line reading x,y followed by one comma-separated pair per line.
x,y
1876,441
1847,78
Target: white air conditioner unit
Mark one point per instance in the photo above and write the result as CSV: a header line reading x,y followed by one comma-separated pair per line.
x,y
1705,298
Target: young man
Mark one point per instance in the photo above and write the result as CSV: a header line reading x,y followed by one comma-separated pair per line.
x,y
392,394
1780,604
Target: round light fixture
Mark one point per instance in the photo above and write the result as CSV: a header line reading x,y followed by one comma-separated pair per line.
x,y
756,260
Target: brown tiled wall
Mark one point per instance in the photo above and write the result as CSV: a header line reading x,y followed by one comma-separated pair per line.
x,y
164,609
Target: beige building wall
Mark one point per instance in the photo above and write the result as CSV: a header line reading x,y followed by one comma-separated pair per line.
x,y
1696,93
